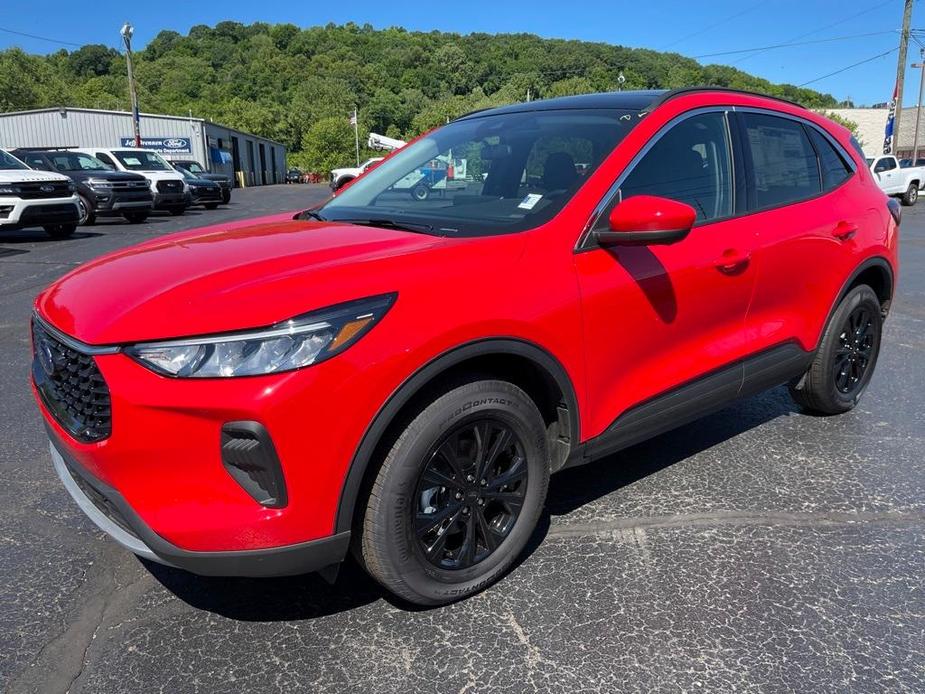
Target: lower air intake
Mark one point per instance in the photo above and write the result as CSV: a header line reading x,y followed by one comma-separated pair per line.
x,y
250,458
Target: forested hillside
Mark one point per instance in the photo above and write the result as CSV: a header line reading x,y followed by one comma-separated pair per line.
x,y
300,85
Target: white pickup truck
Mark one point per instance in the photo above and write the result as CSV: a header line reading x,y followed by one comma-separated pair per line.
x,y
896,180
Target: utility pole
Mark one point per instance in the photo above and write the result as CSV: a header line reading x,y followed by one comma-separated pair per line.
x,y
127,31
918,108
901,70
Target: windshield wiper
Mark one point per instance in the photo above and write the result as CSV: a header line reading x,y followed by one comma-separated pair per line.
x,y
391,224
310,214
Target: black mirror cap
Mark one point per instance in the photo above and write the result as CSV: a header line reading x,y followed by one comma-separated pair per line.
x,y
608,239
895,209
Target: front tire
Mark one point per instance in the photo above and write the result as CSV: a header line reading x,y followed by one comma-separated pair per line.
x,y
420,192
87,216
211,205
911,195
177,211
847,354
135,217
458,495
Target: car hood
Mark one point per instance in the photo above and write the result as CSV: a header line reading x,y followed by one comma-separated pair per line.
x,y
114,176
29,176
229,277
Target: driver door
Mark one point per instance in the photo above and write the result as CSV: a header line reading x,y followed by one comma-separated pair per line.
x,y
664,324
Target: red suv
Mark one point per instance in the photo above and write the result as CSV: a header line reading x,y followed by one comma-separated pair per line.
x,y
399,376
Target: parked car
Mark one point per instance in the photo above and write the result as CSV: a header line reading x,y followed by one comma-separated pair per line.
x,y
35,199
403,377
343,176
200,191
893,179
197,169
101,191
293,176
167,185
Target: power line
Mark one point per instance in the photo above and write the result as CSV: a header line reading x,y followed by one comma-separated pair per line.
x,y
40,38
714,25
800,43
848,67
823,28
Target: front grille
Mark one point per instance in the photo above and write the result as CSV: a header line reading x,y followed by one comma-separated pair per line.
x,y
44,189
129,185
71,387
170,187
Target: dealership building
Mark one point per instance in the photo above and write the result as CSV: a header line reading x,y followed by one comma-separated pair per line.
x,y
250,159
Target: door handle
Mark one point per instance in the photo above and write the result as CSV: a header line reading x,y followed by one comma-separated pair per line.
x,y
844,230
732,259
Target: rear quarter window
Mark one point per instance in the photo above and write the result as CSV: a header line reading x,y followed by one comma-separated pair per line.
x,y
834,168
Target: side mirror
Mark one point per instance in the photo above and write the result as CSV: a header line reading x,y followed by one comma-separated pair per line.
x,y
644,220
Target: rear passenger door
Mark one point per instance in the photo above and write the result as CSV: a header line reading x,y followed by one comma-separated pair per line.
x,y
804,217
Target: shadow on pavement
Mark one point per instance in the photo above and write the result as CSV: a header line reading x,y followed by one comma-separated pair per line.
x,y
309,597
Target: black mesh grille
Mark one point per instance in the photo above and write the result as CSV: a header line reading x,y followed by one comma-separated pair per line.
x,y
44,189
170,186
71,387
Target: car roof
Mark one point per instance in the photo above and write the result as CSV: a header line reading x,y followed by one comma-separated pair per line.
x,y
634,100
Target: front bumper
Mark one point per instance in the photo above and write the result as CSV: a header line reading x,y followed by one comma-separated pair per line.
x,y
206,196
16,213
169,201
117,202
113,515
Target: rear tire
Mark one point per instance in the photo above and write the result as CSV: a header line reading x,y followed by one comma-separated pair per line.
x,y
60,231
847,355
420,192
433,535
911,195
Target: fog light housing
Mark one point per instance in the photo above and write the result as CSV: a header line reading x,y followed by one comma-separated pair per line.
x,y
5,211
250,458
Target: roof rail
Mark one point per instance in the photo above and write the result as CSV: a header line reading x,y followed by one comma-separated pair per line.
x,y
684,91
43,149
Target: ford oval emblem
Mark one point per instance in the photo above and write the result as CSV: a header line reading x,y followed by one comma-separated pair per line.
x,y
175,144
46,358
47,188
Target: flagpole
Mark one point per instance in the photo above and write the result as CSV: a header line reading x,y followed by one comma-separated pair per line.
x,y
356,132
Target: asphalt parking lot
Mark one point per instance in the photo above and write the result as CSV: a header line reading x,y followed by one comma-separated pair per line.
x,y
759,549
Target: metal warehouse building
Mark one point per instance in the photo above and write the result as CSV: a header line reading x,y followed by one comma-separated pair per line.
x,y
251,160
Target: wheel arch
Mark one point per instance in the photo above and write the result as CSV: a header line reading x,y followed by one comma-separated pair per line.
x,y
877,273
523,363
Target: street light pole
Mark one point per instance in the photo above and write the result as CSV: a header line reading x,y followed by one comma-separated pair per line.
x,y
127,31
918,108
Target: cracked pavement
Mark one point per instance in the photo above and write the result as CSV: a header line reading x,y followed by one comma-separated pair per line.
x,y
758,549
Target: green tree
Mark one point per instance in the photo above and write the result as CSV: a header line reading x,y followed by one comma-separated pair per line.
x,y
328,144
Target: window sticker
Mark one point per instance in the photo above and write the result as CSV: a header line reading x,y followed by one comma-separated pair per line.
x,y
132,161
529,202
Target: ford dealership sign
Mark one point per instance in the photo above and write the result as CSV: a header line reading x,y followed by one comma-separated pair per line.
x,y
165,145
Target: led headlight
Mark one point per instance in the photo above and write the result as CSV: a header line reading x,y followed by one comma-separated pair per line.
x,y
292,344
9,190
71,187
99,185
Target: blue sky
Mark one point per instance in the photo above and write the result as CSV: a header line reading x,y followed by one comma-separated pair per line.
x,y
691,28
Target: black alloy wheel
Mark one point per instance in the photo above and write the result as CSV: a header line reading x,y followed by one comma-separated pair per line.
x,y
85,211
470,494
855,345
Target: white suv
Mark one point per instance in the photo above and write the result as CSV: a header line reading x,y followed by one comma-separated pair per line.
x,y
167,184
36,199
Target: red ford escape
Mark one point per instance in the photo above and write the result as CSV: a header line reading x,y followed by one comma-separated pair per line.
x,y
398,374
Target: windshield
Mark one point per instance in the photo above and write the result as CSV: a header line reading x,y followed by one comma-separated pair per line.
x,y
486,175
76,161
192,166
135,160
186,174
8,161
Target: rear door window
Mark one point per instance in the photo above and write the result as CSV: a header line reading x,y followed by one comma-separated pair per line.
x,y
106,159
783,162
834,167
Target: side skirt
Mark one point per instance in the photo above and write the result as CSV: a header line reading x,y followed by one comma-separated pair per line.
x,y
696,399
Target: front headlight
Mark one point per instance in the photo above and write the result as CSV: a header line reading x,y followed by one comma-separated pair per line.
x,y
99,185
295,343
71,187
9,190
